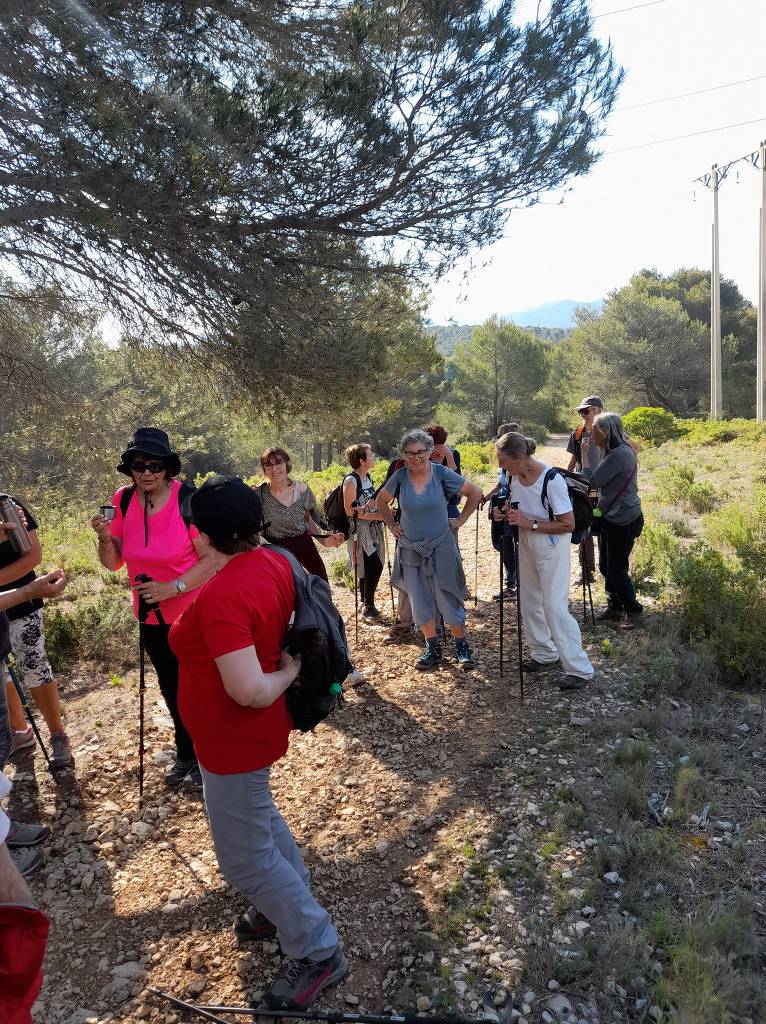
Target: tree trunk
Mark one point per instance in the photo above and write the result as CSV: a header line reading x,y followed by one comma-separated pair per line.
x,y
317,457
329,453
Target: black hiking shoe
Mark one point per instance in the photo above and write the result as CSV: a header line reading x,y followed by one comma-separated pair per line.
x,y
369,611
301,981
508,594
465,658
572,683
192,782
174,776
530,665
431,656
609,614
252,926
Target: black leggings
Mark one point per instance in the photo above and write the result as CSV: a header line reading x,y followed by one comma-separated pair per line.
x,y
155,640
615,544
373,570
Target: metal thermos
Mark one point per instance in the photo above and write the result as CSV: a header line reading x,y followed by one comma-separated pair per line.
x,y
19,537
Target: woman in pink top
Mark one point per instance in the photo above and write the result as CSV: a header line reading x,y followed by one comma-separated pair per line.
x,y
151,535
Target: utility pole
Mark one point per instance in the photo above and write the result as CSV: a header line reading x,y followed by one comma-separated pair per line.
x,y
716,399
760,398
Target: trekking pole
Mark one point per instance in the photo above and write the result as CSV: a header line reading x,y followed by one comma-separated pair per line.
x,y
29,716
515,504
331,1016
388,563
590,599
584,584
502,601
356,578
476,564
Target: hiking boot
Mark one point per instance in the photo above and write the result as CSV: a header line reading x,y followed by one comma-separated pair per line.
x,y
401,635
369,611
609,614
61,750
192,782
22,739
631,619
508,594
431,656
174,776
252,926
465,658
28,861
301,981
530,665
572,683
22,833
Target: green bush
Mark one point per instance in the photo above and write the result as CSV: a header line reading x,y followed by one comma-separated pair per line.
x,y
723,608
741,528
651,424
709,432
676,484
340,572
654,556
477,460
103,629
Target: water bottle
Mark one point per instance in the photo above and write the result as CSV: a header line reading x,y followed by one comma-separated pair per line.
x,y
19,537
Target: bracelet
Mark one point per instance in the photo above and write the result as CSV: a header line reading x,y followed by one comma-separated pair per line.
x,y
28,592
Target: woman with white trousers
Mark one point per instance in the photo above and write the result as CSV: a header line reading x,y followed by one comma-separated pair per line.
x,y
551,632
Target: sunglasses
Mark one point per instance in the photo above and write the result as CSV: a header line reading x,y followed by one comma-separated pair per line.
x,y
420,454
273,462
141,467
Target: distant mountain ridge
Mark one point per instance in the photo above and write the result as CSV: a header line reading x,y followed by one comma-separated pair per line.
x,y
551,314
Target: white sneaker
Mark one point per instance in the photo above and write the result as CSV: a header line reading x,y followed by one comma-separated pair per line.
x,y
355,678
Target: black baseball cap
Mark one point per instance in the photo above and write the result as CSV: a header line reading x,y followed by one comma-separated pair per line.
x,y
224,507
591,402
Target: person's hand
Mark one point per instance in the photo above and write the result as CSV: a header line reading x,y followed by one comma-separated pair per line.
x,y
499,514
5,529
101,526
291,664
154,592
397,531
516,518
48,586
483,501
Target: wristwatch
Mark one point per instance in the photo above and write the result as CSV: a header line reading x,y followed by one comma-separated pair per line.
x,y
180,586
535,524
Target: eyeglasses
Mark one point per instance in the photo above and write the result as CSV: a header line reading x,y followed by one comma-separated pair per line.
x,y
141,467
273,462
421,453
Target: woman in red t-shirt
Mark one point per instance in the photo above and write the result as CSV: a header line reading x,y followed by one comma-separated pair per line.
x,y
233,676
150,536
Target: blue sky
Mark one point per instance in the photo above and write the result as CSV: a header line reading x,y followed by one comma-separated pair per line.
x,y
638,208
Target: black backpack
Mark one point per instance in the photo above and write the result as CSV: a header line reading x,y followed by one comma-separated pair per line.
x,y
579,494
184,500
335,508
318,634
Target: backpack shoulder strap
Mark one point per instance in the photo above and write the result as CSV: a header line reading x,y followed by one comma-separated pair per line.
x,y
185,492
441,472
554,471
125,497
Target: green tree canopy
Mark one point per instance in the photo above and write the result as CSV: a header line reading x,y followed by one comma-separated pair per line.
x,y
644,349
497,376
216,173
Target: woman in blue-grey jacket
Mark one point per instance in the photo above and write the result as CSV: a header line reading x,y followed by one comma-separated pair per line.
x,y
427,562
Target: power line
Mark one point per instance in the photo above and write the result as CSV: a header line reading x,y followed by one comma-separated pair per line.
x,y
684,95
676,138
624,10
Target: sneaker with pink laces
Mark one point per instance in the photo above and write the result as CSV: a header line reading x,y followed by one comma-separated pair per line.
x,y
21,739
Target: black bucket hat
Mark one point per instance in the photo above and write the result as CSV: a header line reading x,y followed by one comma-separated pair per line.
x,y
225,507
154,442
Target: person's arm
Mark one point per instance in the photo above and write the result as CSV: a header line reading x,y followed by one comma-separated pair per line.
x,y
210,561
245,681
331,540
109,547
43,588
564,523
472,493
384,499
605,471
349,497
572,463
24,563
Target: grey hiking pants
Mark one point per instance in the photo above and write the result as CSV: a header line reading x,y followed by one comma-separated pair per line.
x,y
257,855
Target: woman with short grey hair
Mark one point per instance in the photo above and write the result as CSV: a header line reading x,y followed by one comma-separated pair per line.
x,y
618,517
427,562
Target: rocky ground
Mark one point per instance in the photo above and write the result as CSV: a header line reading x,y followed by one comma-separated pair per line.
x,y
562,850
